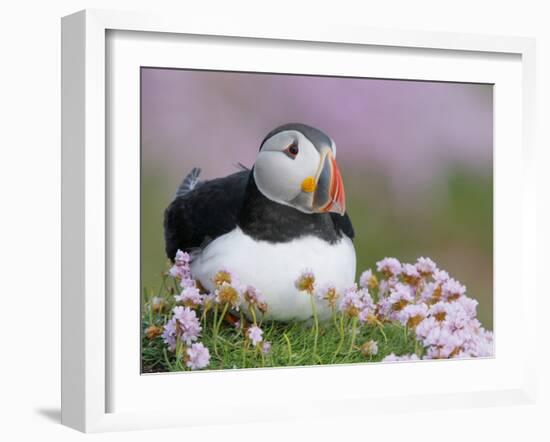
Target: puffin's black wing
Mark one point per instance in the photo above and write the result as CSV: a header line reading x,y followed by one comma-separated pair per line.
x,y
203,212
343,223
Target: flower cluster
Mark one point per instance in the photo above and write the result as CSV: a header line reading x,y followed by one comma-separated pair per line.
x,y
184,325
434,306
423,301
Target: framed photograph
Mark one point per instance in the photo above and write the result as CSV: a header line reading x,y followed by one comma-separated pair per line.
x,y
289,214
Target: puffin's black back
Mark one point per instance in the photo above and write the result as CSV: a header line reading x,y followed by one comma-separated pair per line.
x,y
216,207
204,213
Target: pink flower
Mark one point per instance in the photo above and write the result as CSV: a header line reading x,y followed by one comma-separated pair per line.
x,y
169,334
438,311
425,327
393,358
266,347
255,333
440,276
183,325
469,305
389,267
352,302
369,348
329,294
428,291
368,280
198,356
179,272
187,282
182,258
190,297
225,276
180,269
412,314
228,294
410,274
368,308
400,296
306,281
452,290
425,266
255,298
386,285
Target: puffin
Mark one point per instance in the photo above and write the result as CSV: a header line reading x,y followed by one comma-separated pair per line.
x,y
269,223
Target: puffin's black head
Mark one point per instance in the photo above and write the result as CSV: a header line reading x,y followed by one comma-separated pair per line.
x,y
296,166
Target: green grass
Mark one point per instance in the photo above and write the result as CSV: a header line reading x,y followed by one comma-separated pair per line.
x,y
292,344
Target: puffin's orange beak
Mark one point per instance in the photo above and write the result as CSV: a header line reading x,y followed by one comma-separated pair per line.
x,y
329,195
337,192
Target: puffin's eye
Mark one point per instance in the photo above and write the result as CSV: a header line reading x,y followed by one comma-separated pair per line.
x,y
292,150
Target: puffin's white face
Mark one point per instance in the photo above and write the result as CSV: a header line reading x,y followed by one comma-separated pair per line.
x,y
290,170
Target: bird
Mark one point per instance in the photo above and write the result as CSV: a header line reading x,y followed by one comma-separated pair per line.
x,y
267,224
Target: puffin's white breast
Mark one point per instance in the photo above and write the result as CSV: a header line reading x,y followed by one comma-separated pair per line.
x,y
273,269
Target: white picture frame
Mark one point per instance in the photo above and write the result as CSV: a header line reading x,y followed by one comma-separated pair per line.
x,y
87,205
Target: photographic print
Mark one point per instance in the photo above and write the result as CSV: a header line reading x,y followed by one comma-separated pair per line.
x,y
301,220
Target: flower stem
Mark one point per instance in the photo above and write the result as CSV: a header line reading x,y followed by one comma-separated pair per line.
x,y
381,327
337,352
219,324
316,324
214,330
353,333
251,308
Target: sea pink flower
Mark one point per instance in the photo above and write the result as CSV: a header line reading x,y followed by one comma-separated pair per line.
x,y
179,272
255,298
187,282
412,314
190,297
389,267
180,269
438,311
329,294
410,274
266,347
368,280
198,356
169,334
385,285
158,304
208,301
425,327
469,305
227,294
369,348
225,276
183,325
182,258
425,266
255,333
352,302
400,296
441,343
452,290
427,293
441,276
393,358
306,281
367,305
